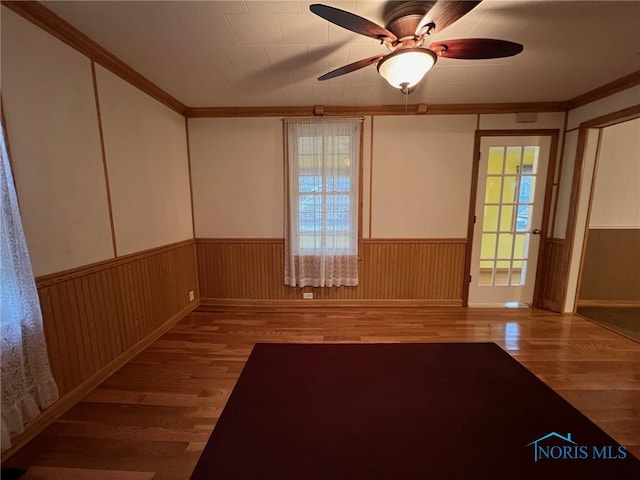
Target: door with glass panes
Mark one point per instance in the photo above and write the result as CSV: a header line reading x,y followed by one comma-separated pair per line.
x,y
512,173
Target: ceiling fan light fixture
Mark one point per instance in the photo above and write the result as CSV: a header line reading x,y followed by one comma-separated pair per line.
x,y
404,68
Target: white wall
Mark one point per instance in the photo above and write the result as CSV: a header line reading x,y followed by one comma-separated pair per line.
x,y
421,176
147,165
52,129
53,133
237,170
616,193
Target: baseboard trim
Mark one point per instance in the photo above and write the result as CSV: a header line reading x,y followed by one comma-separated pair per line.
x,y
215,303
63,404
607,303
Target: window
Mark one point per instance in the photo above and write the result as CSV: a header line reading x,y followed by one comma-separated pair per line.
x,y
322,191
326,212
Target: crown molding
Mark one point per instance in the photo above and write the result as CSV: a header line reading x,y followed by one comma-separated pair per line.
x,y
610,88
613,118
38,14
374,110
44,18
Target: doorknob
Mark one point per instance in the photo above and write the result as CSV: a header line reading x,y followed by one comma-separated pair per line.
x,y
537,231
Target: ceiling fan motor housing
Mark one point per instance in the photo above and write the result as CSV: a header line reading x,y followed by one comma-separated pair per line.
x,y
403,20
405,27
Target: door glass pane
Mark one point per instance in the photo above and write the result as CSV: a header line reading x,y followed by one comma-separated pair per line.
x,y
488,248
527,185
523,222
509,189
516,274
506,218
530,160
494,185
512,165
520,246
496,156
490,222
505,243
501,276
486,273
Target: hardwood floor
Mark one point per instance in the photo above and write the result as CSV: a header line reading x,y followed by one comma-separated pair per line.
x,y
151,419
624,320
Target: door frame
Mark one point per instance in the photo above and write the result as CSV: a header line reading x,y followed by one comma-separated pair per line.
x,y
554,135
573,230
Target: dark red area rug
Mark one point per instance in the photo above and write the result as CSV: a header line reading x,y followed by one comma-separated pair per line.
x,y
11,473
402,411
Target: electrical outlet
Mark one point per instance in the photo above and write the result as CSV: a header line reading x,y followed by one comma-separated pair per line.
x,y
191,295
307,296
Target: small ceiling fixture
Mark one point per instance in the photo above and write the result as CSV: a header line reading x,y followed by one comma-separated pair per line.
x,y
403,69
408,26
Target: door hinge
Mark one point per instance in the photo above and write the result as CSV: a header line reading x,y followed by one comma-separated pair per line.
x,y
470,276
474,219
479,154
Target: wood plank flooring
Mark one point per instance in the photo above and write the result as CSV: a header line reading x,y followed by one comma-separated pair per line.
x,y
151,419
624,320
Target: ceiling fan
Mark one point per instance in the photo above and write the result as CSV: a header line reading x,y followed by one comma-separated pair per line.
x,y
408,27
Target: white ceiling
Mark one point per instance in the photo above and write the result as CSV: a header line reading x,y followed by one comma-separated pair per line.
x,y
270,53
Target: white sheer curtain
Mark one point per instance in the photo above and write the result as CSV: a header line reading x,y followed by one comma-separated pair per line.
x,y
321,201
27,383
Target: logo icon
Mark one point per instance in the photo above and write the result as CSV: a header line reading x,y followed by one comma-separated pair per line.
x,y
554,446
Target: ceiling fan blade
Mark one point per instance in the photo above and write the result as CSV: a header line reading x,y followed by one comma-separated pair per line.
x,y
476,48
444,13
352,67
353,22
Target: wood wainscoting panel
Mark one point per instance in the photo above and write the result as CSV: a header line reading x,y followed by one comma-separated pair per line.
x,y
413,269
611,266
99,316
95,314
552,291
422,270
